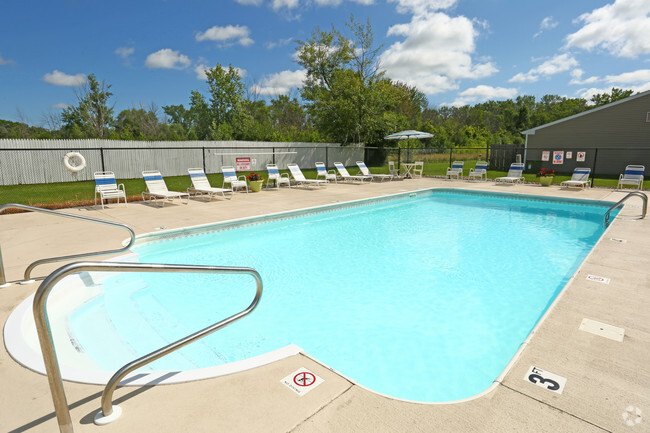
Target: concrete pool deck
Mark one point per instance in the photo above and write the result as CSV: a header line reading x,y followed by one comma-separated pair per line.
x,y
607,381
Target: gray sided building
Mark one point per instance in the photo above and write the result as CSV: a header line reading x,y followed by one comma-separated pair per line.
x,y
605,139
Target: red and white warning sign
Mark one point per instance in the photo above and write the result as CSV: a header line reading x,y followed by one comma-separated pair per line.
x,y
580,156
302,381
598,279
243,164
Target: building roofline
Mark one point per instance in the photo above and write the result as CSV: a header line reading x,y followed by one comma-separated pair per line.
x,y
531,131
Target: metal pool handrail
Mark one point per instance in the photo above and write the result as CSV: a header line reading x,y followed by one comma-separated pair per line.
x,y
47,342
28,271
620,202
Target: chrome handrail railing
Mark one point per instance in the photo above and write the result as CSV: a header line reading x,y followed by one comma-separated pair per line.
x,y
29,269
47,343
621,201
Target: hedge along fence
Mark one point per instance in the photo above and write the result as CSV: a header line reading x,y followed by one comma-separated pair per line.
x,y
41,161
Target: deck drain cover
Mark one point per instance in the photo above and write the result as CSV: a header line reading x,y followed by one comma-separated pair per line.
x,y
602,329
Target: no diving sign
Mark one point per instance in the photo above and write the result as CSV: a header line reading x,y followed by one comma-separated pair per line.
x,y
302,381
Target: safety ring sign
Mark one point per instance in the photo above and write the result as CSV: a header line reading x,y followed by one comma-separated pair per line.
x,y
302,381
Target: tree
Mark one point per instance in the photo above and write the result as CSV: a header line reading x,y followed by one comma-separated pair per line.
x,y
607,98
226,98
91,115
138,124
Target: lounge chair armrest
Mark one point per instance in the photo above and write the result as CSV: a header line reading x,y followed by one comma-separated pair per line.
x,y
285,175
121,186
332,172
242,177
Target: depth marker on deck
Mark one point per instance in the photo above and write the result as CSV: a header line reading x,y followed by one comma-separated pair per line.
x,y
546,379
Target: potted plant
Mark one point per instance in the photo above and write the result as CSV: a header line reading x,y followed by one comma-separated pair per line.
x,y
546,176
255,182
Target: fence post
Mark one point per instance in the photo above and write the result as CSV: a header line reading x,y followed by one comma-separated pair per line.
x,y
593,169
399,158
101,156
451,150
203,155
327,160
273,157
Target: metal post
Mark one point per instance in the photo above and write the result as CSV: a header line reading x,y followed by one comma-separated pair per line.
x,y
451,150
203,154
101,156
593,168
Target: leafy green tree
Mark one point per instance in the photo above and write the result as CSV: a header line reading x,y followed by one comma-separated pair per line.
x,y
607,98
91,115
138,124
226,99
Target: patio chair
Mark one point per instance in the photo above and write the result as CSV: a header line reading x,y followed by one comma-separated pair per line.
x,y
106,187
300,178
157,188
579,179
365,172
392,168
343,172
230,177
515,174
275,176
479,171
633,176
321,171
418,170
456,170
201,185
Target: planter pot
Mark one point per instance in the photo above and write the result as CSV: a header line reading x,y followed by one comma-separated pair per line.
x,y
546,180
255,185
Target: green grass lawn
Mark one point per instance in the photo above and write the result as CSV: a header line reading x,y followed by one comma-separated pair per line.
x,y
69,194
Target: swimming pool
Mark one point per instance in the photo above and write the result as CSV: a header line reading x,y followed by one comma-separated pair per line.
x,y
423,297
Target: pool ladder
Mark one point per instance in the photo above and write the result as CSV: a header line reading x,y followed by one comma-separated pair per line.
x,y
621,201
109,412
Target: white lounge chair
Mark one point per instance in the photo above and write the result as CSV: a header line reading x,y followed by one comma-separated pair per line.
x,y
579,179
515,174
157,188
106,187
300,178
479,171
343,172
230,177
201,185
277,177
418,170
321,171
392,168
366,172
456,170
633,176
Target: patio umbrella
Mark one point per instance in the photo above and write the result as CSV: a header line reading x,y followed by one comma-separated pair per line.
x,y
407,135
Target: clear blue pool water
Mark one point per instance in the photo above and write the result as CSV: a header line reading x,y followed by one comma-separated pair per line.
x,y
424,298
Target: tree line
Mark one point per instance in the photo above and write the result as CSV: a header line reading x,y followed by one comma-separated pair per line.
x,y
345,98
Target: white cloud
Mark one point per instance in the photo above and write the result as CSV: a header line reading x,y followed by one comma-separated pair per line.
x,y
588,93
280,43
435,53
125,52
547,23
4,61
482,93
250,2
226,35
60,105
167,59
289,4
59,78
559,63
635,77
620,28
576,77
422,7
280,83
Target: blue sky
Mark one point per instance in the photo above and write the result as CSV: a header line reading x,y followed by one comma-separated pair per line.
x,y
153,52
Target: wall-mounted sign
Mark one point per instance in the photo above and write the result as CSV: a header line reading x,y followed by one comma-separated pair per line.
x,y
569,155
546,155
558,157
243,164
580,156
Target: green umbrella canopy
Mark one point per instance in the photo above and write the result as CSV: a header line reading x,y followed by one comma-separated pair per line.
x,y
408,134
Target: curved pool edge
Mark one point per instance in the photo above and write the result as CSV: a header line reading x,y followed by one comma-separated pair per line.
x,y
172,377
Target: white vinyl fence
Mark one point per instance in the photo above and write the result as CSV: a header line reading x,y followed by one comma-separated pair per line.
x,y
41,161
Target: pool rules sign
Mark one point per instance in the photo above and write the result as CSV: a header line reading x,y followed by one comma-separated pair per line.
x,y
302,381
